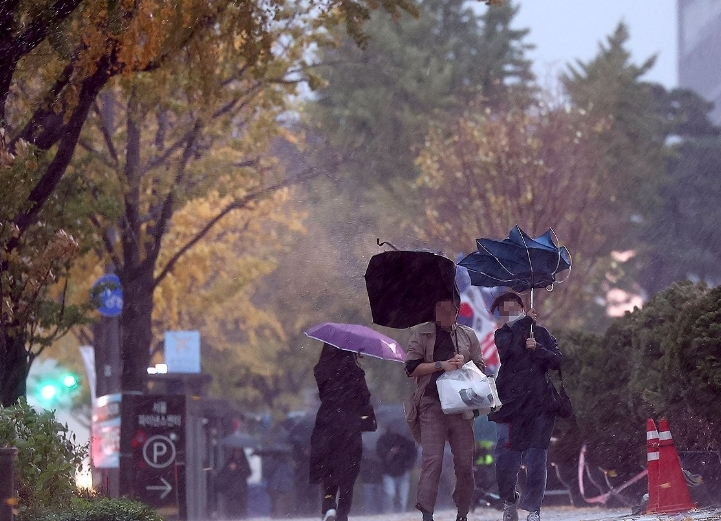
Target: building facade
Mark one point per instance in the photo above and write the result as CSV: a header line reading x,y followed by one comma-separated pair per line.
x,y
699,50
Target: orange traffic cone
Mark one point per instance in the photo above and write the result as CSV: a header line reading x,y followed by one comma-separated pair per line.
x,y
673,494
652,463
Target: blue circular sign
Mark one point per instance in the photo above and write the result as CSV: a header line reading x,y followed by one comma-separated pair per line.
x,y
109,294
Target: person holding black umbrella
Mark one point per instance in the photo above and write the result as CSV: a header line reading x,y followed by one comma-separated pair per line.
x,y
525,422
336,446
232,482
433,349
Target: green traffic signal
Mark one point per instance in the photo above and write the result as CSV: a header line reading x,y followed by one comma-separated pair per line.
x,y
52,390
48,392
70,381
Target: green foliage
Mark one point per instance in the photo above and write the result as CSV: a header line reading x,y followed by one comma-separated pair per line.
x,y
683,239
97,509
694,352
34,265
660,361
610,86
47,460
596,371
58,57
379,100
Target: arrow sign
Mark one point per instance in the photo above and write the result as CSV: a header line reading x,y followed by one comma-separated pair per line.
x,y
166,488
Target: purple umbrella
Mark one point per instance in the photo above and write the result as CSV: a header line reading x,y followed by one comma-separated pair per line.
x,y
359,339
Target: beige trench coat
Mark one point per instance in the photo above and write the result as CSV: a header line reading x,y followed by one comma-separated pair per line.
x,y
420,347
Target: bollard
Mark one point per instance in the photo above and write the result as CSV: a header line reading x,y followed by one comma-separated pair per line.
x,y
7,483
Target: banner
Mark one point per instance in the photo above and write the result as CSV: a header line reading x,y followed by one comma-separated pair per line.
x,y
474,314
88,355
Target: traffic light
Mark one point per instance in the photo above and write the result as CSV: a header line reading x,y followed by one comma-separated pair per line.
x,y
52,390
70,381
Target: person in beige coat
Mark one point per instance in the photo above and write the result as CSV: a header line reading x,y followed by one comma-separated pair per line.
x,y
436,347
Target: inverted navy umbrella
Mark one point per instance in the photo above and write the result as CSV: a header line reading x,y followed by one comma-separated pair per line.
x,y
359,339
404,286
519,262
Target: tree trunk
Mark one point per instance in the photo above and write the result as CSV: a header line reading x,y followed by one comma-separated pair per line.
x,y
13,369
136,325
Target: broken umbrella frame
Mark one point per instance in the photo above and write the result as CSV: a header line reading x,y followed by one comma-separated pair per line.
x,y
518,262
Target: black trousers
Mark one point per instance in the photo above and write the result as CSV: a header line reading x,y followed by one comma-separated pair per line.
x,y
344,494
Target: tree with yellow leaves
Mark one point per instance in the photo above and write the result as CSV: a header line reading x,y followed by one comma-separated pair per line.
x,y
177,139
58,55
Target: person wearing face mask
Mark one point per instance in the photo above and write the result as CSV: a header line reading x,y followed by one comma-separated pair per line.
x,y
525,422
433,349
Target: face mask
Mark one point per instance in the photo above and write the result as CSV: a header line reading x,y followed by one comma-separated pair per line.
x,y
510,319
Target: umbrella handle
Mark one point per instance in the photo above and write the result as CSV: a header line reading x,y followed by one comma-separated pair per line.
x,y
379,243
531,308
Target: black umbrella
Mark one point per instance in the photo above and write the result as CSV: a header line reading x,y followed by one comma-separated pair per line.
x,y
393,418
273,449
240,440
404,286
300,429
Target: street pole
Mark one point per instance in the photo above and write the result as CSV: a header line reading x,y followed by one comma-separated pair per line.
x,y
108,370
8,496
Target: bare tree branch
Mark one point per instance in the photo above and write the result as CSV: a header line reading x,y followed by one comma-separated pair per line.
x,y
310,173
167,208
106,131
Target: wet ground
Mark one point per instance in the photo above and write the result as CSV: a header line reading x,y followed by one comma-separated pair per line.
x,y
547,514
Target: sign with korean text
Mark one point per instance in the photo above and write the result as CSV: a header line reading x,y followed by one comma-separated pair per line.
x,y
155,436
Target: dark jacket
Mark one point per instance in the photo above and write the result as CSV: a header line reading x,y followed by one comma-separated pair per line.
x,y
345,411
397,453
522,383
232,480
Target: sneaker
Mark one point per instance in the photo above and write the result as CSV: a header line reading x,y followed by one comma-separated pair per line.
x,y
329,515
427,516
510,512
534,516
459,517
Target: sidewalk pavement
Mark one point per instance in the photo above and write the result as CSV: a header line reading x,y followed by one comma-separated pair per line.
x,y
547,514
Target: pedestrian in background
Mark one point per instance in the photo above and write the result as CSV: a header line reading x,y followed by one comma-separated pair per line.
x,y
279,483
433,349
307,495
398,455
232,483
345,412
525,422
371,475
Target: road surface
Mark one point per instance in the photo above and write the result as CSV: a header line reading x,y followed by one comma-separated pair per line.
x,y
547,514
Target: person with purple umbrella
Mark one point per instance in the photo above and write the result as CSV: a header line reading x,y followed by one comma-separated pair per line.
x,y
345,412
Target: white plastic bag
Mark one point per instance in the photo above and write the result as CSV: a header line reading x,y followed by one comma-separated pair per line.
x,y
467,389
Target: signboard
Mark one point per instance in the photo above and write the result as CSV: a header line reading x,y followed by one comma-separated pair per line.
x,y
182,351
109,293
105,440
154,433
